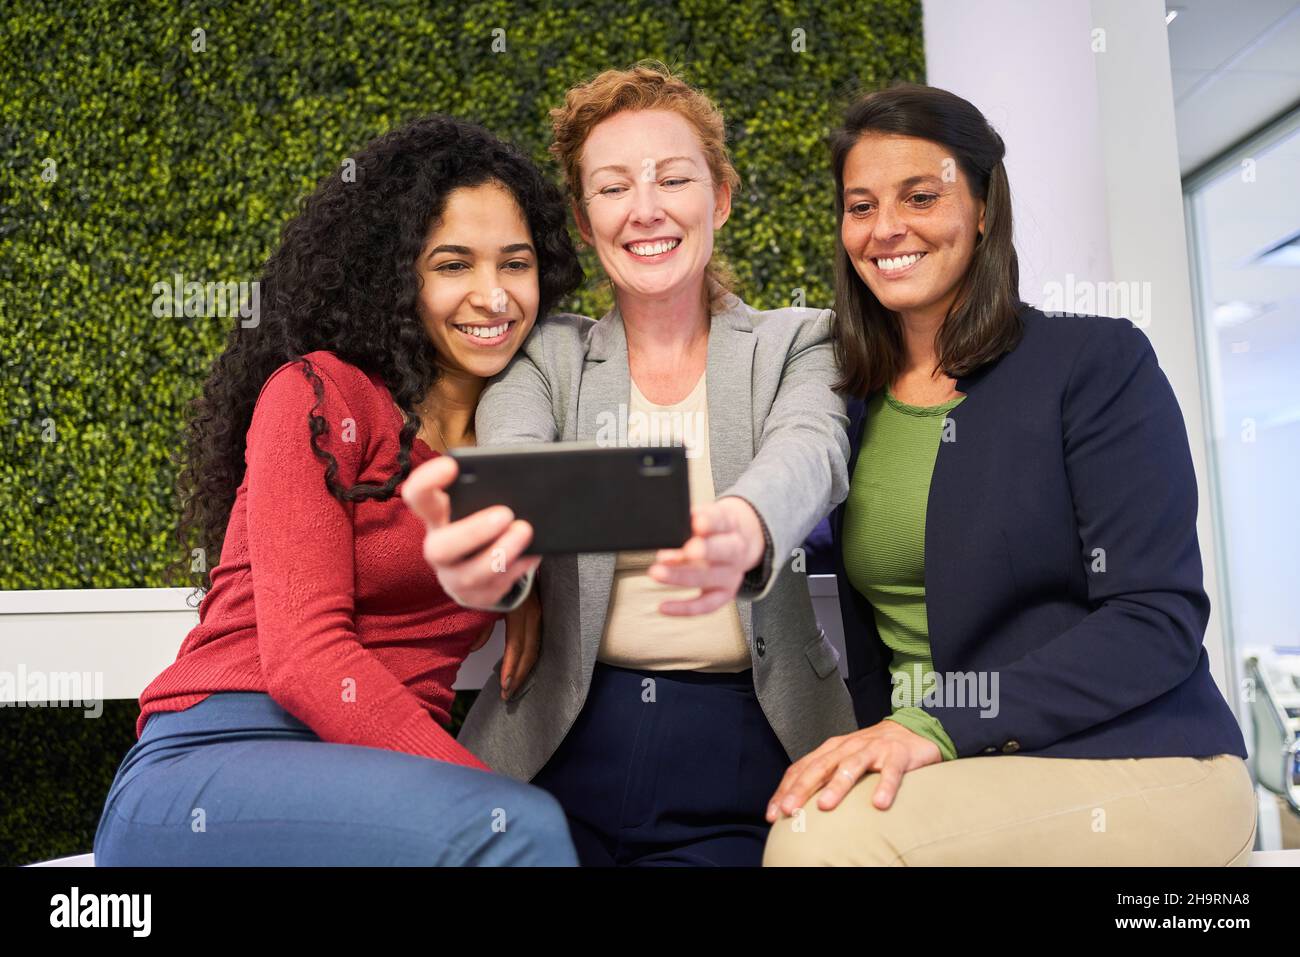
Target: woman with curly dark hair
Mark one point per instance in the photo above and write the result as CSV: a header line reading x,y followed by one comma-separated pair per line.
x,y
303,721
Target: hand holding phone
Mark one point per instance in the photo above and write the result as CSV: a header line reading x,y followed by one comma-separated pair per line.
x,y
727,541
477,559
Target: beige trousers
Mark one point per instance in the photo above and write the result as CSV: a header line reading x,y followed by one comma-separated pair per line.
x,y
1020,810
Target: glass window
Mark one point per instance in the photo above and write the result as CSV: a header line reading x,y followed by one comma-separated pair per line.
x,y
1244,227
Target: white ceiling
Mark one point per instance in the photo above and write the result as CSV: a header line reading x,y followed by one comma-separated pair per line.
x,y
1236,65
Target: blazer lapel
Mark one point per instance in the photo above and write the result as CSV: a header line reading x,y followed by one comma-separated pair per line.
x,y
857,411
728,378
729,373
956,529
603,398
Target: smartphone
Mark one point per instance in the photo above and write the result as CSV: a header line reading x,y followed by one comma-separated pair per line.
x,y
580,496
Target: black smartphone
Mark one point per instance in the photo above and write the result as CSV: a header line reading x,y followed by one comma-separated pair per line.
x,y
580,496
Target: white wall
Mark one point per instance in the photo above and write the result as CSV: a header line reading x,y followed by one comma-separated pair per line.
x,y
119,639
1080,92
1027,66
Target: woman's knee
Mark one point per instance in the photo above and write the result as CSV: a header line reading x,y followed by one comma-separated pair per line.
x,y
547,829
1240,805
515,824
854,833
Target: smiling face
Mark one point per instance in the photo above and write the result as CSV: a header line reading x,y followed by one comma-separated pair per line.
x,y
649,205
480,284
910,222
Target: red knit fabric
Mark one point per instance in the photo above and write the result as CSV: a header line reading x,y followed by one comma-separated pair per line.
x,y
327,606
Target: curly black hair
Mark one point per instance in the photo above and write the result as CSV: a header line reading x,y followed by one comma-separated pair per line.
x,y
344,279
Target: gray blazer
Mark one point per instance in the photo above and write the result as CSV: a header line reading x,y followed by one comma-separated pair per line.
x,y
778,439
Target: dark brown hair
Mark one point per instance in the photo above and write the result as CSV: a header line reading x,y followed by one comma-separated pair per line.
x,y
344,279
982,323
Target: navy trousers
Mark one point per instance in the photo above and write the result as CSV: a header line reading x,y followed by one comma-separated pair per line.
x,y
237,780
667,768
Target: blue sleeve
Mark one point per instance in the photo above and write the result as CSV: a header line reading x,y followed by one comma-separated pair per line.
x,y
818,549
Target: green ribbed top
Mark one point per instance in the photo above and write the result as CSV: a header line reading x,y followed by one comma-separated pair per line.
x,y
884,544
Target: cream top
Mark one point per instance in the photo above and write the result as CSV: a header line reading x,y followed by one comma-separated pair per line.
x,y
636,634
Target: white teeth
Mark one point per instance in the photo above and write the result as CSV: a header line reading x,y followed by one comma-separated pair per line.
x,y
485,332
901,262
654,249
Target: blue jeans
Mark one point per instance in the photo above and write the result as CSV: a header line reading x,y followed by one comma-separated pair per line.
x,y
236,780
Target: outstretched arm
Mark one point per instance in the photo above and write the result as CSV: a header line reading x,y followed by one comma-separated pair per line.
x,y
479,558
799,473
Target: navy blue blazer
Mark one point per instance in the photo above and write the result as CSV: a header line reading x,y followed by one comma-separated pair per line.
x,y
1061,553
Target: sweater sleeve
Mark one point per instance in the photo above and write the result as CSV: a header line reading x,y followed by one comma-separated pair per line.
x,y
300,542
928,727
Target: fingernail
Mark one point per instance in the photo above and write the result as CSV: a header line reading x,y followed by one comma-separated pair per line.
x,y
506,686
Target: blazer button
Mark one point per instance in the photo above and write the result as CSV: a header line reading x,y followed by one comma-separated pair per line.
x,y
760,645
1011,747
990,750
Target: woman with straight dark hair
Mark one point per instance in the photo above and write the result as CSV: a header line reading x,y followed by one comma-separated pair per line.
x,y
1017,560
304,721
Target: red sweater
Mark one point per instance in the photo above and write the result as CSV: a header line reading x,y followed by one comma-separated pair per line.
x,y
328,607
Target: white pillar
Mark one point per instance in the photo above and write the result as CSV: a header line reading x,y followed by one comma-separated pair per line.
x,y
1081,93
